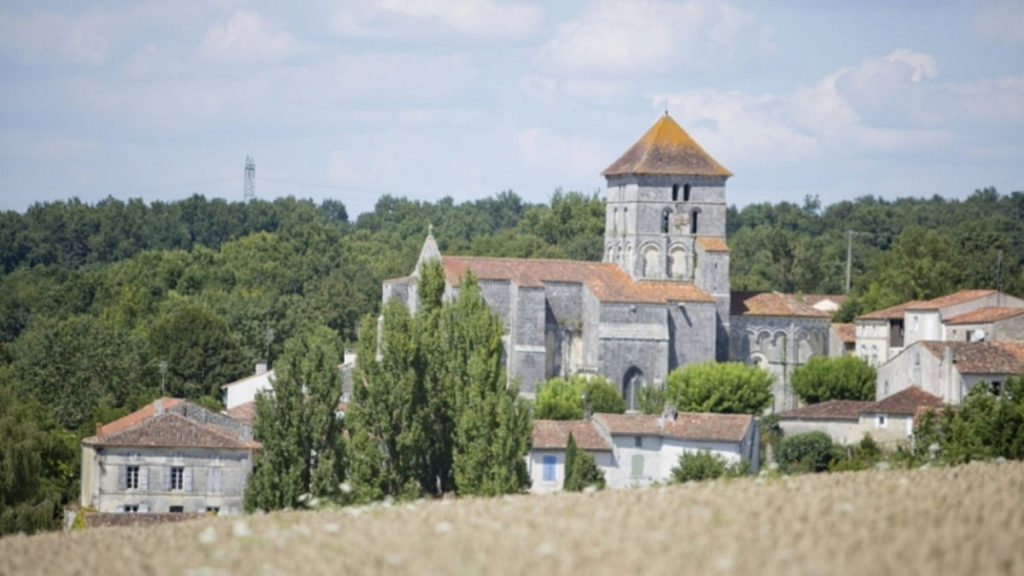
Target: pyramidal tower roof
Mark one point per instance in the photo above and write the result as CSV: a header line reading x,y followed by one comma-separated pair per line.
x,y
429,252
666,149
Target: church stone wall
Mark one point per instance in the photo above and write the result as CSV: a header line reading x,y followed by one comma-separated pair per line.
x,y
693,330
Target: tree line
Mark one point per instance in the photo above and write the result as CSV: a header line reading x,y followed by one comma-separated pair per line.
x,y
104,307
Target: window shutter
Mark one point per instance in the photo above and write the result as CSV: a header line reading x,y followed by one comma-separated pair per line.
x,y
144,508
167,478
187,479
143,478
122,478
214,484
638,465
120,509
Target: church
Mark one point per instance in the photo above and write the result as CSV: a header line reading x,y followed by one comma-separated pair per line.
x,y
659,299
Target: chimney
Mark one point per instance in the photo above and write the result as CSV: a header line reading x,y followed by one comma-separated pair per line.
x,y
261,368
158,406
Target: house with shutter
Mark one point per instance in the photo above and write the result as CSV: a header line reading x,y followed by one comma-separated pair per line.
x,y
639,449
171,456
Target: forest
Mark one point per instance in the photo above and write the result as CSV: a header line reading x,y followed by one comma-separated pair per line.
x,y
105,306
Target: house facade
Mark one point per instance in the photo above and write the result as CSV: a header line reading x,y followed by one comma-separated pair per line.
x,y
172,456
950,369
658,300
640,449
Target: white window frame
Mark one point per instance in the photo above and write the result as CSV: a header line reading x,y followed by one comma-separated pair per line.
x,y
881,420
177,481
131,477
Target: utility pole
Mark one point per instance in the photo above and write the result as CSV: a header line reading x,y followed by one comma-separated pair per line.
x,y
849,257
163,377
270,338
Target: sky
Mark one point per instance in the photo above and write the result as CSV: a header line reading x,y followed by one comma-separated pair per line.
x,y
351,100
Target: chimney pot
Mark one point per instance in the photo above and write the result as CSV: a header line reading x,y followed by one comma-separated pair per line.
x,y
158,406
261,368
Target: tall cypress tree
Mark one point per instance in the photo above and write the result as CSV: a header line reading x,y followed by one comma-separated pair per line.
x,y
303,448
570,464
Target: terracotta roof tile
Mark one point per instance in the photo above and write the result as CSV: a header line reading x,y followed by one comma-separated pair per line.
x,y
830,410
685,426
951,299
772,304
140,415
890,313
712,244
906,401
847,332
605,280
981,357
986,315
554,434
244,413
666,149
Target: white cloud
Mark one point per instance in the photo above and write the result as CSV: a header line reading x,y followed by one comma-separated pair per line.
x,y
57,38
1001,21
543,149
404,18
245,37
615,37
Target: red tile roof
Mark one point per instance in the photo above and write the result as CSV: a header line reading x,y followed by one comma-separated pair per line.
x,y
981,357
986,315
772,304
187,426
846,332
951,299
244,413
685,426
140,415
906,401
605,280
554,434
666,149
829,410
891,313
712,244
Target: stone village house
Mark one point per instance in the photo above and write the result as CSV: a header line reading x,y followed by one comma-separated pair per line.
x,y
171,456
639,449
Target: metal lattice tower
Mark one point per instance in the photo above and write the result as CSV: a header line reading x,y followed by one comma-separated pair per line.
x,y
250,178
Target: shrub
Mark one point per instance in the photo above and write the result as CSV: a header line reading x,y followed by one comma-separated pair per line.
x,y
728,387
560,399
650,399
703,465
842,378
810,452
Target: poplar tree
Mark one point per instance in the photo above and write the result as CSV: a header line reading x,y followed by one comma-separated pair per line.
x,y
303,451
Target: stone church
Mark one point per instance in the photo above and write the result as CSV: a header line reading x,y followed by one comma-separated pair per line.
x,y
660,298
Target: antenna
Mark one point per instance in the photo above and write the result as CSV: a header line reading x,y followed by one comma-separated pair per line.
x,y
249,191
163,377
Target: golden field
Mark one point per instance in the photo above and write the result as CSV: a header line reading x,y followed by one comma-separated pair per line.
x,y
965,520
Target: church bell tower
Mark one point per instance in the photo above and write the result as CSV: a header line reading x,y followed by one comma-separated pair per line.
x,y
665,215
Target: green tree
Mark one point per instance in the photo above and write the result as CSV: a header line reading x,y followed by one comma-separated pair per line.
x,y
433,409
303,451
581,470
842,378
989,424
651,399
808,452
729,387
703,465
560,399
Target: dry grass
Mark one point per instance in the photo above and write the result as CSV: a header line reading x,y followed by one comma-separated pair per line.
x,y
967,520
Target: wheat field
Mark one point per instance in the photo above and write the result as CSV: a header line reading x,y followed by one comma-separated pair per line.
x,y
965,520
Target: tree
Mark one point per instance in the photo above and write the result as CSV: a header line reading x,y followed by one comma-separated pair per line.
x,y
651,399
842,378
560,399
303,451
808,452
703,465
581,470
729,387
433,410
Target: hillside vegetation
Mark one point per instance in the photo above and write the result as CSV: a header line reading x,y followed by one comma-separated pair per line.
x,y
104,307
964,520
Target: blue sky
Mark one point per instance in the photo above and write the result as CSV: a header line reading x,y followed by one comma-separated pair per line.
x,y
465,98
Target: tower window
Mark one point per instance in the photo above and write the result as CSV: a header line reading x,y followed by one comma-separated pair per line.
x,y
693,222
666,214
675,192
686,193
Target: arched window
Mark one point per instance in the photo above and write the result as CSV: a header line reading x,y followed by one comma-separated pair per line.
x,y
631,382
666,215
693,222
675,192
651,256
615,220
677,262
686,193
625,220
